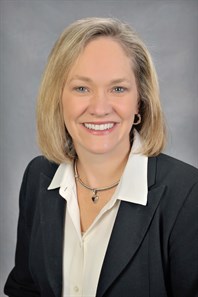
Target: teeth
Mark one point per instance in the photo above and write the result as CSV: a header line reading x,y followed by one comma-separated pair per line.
x,y
101,127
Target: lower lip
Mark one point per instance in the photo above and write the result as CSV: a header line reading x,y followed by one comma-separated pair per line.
x,y
100,132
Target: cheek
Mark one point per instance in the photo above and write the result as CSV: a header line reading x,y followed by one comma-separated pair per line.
x,y
135,107
129,110
67,106
71,114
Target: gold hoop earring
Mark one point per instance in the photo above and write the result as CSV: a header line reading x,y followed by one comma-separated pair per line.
x,y
139,119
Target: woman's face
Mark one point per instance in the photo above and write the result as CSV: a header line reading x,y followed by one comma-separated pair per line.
x,y
100,99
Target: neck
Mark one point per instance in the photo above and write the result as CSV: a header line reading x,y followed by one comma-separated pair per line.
x,y
101,170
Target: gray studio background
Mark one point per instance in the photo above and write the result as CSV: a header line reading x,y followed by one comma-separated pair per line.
x,y
28,30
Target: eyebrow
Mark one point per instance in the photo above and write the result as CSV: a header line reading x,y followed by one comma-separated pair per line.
x,y
87,79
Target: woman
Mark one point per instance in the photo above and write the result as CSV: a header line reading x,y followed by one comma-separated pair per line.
x,y
104,212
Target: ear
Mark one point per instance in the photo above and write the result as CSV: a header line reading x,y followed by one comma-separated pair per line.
x,y
138,105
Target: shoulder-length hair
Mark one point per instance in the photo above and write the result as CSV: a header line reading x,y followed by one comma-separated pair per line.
x,y
54,140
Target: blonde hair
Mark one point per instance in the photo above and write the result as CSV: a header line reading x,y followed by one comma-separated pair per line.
x,y
54,140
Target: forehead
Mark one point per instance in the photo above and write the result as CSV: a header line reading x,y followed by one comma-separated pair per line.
x,y
105,56
104,45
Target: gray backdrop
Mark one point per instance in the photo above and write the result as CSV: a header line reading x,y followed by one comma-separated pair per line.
x,y
28,29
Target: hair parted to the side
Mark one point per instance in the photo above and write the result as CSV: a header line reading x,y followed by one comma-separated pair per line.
x,y
54,140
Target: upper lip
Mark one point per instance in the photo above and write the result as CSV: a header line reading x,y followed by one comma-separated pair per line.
x,y
100,123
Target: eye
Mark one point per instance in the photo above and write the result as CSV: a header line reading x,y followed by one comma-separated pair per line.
x,y
81,89
119,89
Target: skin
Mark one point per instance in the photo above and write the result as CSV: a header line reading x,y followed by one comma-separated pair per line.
x,y
100,92
100,89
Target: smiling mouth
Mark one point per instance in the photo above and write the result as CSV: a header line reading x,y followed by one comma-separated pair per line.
x,y
99,127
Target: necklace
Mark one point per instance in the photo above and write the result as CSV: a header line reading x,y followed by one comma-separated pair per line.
x,y
95,191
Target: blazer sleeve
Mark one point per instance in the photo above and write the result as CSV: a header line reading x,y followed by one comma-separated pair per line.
x,y
183,248
20,282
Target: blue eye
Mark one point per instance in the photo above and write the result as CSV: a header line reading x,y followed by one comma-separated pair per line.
x,y
119,89
81,89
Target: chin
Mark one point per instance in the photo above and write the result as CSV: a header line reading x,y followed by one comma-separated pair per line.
x,y
101,150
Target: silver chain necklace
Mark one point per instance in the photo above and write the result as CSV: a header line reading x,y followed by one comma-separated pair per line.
x,y
95,191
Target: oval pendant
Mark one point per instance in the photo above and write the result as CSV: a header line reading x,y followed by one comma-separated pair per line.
x,y
95,196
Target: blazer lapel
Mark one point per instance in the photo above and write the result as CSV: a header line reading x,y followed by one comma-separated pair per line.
x,y
130,227
52,212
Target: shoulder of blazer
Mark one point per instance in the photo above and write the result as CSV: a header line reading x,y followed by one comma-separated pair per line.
x,y
170,169
31,183
178,178
35,171
38,168
180,183
41,165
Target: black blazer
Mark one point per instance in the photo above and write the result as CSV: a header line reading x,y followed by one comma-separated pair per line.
x,y
153,249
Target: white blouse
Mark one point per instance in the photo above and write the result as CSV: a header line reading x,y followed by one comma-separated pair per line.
x,y
84,253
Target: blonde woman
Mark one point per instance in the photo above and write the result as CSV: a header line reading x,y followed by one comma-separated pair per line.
x,y
103,212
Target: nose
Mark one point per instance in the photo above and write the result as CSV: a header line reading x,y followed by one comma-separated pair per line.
x,y
100,105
